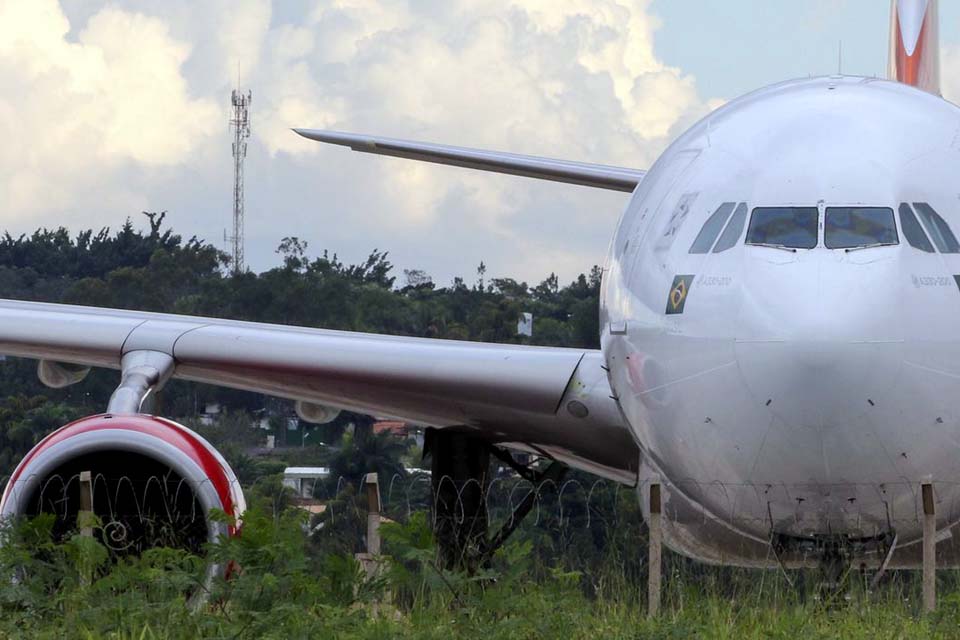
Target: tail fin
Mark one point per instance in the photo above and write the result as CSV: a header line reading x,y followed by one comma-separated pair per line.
x,y
915,44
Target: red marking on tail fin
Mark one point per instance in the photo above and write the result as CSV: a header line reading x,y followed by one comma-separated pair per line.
x,y
914,44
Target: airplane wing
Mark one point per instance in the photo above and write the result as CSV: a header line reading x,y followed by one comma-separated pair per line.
x,y
550,400
590,175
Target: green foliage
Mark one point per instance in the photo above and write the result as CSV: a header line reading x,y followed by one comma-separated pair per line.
x,y
24,421
370,453
87,557
279,586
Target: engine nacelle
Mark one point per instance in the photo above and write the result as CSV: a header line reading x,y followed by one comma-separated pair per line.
x,y
153,483
316,413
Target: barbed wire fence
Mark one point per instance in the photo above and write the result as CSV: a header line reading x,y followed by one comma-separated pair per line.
x,y
132,515
580,523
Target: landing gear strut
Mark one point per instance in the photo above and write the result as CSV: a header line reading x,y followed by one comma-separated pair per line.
x,y
460,477
459,470
838,557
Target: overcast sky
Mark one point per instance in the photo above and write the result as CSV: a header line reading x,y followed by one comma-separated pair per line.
x,y
108,109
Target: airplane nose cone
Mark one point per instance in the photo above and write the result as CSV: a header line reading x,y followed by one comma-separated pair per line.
x,y
820,384
820,338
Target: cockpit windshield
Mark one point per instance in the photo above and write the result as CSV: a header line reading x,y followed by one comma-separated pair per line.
x,y
783,227
938,228
856,227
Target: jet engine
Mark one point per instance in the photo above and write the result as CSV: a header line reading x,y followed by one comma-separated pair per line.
x,y
149,481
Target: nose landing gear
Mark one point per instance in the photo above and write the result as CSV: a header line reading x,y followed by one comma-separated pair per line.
x,y
837,555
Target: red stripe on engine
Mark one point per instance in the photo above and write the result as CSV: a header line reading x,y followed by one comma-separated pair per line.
x,y
165,430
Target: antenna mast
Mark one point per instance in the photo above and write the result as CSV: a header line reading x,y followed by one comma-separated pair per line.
x,y
240,123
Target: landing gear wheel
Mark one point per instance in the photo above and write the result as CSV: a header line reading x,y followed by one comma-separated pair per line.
x,y
460,467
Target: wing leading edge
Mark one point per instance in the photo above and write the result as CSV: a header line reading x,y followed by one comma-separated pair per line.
x,y
590,175
510,393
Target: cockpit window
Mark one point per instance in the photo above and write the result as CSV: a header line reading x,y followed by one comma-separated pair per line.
x,y
731,235
912,230
711,229
938,228
854,227
783,227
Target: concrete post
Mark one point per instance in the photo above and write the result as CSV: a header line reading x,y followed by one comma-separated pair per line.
x,y
653,565
929,548
371,561
85,515
373,513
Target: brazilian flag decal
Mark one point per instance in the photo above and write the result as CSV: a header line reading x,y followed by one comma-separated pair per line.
x,y
678,294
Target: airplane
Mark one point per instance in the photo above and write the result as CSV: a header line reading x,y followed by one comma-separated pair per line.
x,y
779,347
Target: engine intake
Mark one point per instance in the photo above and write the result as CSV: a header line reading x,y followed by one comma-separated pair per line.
x,y
154,483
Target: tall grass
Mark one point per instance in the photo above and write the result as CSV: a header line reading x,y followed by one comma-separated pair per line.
x,y
290,586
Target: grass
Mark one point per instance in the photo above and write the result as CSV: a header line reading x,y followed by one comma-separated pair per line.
x,y
291,587
144,599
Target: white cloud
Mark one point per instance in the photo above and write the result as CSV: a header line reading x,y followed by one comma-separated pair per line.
x,y
574,77
75,113
144,85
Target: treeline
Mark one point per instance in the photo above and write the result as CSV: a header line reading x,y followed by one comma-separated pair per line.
x,y
158,270
155,269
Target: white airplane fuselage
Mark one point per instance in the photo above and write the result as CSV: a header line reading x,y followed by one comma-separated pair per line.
x,y
803,392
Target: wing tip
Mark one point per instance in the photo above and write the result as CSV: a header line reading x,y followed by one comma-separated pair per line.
x,y
329,137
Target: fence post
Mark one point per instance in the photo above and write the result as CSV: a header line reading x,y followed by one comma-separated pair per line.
x,y
929,548
372,485
371,560
653,565
85,515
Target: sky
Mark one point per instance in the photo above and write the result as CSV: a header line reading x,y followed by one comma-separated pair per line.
x,y
108,109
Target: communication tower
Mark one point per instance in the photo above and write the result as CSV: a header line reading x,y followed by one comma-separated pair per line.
x,y
240,123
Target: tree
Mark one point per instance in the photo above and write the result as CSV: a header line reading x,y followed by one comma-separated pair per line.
x,y
481,271
293,250
417,279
